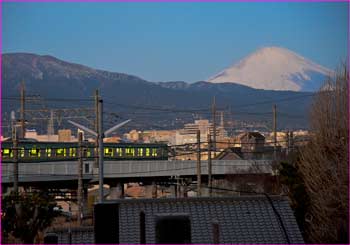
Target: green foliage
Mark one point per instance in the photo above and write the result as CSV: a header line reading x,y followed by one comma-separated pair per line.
x,y
24,215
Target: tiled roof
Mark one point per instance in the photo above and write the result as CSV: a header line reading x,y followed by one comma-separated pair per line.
x,y
79,235
254,134
243,219
233,153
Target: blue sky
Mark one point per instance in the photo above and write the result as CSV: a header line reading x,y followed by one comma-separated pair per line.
x,y
174,41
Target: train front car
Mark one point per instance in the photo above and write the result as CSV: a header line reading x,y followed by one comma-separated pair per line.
x,y
34,151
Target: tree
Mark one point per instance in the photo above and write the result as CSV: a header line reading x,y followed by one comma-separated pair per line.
x,y
323,163
289,177
24,215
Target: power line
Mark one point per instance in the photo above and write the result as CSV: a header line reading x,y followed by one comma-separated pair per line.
x,y
48,99
274,101
140,107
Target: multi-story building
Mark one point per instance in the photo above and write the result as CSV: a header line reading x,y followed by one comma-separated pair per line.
x,y
32,134
189,133
133,135
252,141
64,135
157,136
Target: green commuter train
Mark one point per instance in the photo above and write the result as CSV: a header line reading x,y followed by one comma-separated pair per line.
x,y
33,151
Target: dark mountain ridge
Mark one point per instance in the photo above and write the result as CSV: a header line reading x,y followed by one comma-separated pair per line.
x,y
54,78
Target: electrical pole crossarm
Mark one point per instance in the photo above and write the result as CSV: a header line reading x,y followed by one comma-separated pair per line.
x,y
99,138
83,128
112,129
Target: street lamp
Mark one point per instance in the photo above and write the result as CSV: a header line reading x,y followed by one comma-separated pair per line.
x,y
100,135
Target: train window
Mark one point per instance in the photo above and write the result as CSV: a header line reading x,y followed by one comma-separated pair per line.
x,y
148,152
109,152
130,152
61,152
48,152
6,152
72,152
84,152
34,152
140,152
21,152
119,152
154,152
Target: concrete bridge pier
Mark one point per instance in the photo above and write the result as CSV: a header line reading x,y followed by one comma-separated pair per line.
x,y
116,190
173,191
151,190
85,200
183,190
154,189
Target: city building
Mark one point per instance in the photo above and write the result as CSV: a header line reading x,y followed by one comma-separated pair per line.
x,y
64,135
133,135
252,142
253,147
189,133
113,139
32,134
159,136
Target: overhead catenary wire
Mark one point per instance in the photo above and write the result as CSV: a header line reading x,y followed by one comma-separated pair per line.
x,y
49,99
206,109
158,110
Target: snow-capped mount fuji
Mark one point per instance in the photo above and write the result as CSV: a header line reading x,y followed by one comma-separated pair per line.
x,y
275,68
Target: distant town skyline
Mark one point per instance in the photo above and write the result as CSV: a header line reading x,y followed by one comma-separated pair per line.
x,y
174,41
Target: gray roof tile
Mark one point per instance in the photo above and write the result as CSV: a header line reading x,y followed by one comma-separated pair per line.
x,y
245,219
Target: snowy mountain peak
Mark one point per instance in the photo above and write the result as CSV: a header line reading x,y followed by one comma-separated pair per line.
x,y
275,68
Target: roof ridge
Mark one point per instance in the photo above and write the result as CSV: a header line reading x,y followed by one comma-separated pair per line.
x,y
198,199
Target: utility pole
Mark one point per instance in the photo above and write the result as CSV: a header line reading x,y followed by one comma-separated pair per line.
x,y
97,97
199,163
231,118
15,159
291,141
209,163
13,125
22,115
50,126
214,125
274,132
222,124
100,136
80,178
287,142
